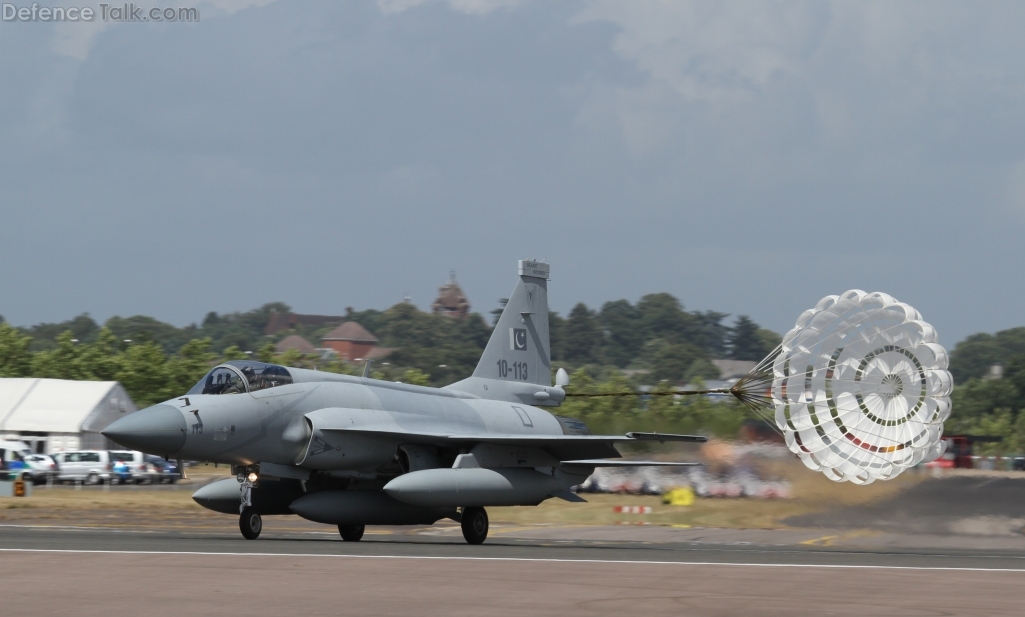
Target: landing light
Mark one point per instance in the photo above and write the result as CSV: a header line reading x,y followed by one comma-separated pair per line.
x,y
252,476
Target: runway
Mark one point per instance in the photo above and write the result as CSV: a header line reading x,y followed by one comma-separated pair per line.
x,y
178,572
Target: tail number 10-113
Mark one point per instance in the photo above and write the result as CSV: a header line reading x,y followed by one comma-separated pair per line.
x,y
516,370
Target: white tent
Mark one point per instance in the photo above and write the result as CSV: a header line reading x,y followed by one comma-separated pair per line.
x,y
55,414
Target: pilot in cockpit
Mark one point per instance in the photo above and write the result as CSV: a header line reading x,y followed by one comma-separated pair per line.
x,y
250,375
255,376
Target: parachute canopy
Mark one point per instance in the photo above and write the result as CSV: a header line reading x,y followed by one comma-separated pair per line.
x,y
860,388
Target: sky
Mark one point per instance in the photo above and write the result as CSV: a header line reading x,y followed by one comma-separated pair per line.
x,y
747,157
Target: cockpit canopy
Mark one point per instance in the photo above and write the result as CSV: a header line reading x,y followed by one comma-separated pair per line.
x,y
242,376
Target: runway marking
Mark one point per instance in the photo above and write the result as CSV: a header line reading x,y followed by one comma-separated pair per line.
x,y
95,527
514,559
120,528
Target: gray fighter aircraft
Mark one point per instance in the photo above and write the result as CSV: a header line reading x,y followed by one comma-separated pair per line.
x,y
354,451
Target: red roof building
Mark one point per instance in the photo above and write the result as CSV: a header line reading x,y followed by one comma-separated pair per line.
x,y
295,342
289,321
353,342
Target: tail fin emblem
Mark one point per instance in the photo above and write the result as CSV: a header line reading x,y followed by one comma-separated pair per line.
x,y
518,339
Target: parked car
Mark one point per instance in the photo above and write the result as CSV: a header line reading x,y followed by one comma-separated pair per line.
x,y
42,468
141,470
167,470
86,466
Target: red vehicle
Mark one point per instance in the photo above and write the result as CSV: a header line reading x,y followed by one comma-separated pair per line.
x,y
959,450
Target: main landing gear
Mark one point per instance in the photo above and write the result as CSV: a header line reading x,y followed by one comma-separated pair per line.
x,y
475,525
351,533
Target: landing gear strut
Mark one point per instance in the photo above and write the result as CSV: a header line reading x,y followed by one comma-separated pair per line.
x,y
351,533
250,523
249,520
475,525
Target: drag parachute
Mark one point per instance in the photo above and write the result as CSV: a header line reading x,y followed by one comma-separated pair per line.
x,y
860,387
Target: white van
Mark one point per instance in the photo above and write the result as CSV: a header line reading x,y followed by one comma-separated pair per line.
x,y
12,458
86,466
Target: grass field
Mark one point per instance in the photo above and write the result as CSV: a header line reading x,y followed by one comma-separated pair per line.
x,y
148,506
812,492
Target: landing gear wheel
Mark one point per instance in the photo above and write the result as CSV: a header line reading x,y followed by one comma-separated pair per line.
x,y
351,533
250,523
475,525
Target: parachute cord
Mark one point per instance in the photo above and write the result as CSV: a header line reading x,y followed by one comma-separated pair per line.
x,y
675,393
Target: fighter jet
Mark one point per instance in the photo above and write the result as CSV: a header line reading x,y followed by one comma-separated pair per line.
x,y
355,451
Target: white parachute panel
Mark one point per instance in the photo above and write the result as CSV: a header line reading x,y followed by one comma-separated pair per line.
x,y
861,389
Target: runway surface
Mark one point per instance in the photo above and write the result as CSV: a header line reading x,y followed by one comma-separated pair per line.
x,y
430,571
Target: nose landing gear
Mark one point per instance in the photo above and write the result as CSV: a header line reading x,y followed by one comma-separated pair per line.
x,y
474,522
249,520
250,523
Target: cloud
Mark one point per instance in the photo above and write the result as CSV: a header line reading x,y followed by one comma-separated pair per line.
x,y
748,157
230,7
1016,189
779,89
713,50
470,7
76,39
858,62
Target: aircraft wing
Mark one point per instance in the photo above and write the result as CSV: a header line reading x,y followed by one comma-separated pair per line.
x,y
564,447
627,463
540,440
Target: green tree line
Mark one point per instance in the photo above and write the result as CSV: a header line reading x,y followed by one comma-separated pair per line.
x,y
242,330
664,344
144,369
656,337
987,403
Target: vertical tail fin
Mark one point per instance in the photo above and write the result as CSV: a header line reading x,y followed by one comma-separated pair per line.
x,y
519,350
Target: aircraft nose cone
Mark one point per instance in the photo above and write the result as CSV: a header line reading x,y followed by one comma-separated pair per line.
x,y
159,429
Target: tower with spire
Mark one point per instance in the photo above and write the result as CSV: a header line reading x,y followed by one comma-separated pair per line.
x,y
451,300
